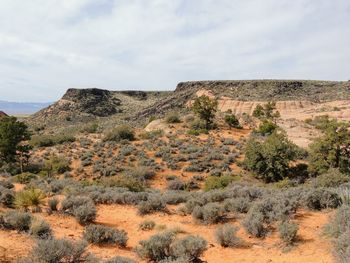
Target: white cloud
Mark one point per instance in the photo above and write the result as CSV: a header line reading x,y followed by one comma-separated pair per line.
x,y
47,46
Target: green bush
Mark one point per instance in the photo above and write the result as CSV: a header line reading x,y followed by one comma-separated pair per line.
x,y
122,132
189,247
24,178
267,127
57,164
232,121
50,140
98,234
214,182
288,232
205,108
330,150
226,236
270,160
40,229
29,198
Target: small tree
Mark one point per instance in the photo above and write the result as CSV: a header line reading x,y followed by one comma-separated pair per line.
x,y
205,108
268,111
12,134
332,150
270,159
232,121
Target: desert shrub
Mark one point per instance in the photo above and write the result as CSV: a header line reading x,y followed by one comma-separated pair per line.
x,y
232,121
98,234
208,214
152,135
147,225
342,247
157,247
141,173
6,184
29,198
240,204
214,182
288,232
175,197
119,260
190,247
153,204
124,181
267,127
318,199
58,250
53,203
254,224
50,140
89,128
57,164
16,220
340,223
24,178
173,117
82,208
226,236
120,133
176,185
7,196
332,178
40,229
85,213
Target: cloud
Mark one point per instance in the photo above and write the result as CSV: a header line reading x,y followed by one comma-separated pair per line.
x,y
48,46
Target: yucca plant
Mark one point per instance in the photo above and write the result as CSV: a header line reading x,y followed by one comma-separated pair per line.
x,y
31,198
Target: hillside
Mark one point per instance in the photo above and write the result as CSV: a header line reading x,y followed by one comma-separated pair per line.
x,y
255,90
81,105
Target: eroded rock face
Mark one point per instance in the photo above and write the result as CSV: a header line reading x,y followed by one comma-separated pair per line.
x,y
97,102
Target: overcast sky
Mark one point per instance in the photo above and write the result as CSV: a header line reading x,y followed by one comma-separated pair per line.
x,y
47,46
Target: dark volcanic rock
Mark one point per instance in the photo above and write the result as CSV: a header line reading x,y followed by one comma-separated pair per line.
x,y
94,101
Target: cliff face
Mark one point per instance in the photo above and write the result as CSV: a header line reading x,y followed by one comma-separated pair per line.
x,y
272,89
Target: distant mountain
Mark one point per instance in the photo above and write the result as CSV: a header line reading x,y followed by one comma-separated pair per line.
x,y
19,108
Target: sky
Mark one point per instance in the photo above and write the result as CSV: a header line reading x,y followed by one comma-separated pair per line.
x,y
48,46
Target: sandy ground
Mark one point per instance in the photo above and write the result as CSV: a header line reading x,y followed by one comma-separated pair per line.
x,y
311,247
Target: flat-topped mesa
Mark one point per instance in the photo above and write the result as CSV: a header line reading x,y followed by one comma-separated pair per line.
x,y
92,101
314,90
